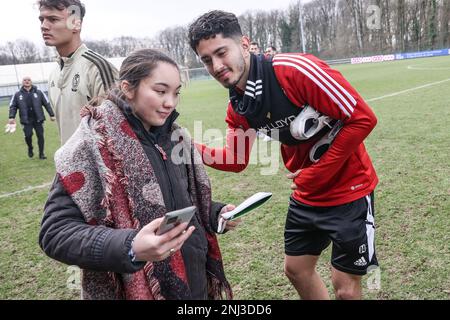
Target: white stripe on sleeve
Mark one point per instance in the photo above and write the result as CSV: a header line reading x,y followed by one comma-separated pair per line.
x,y
45,97
12,100
317,82
370,228
322,75
349,96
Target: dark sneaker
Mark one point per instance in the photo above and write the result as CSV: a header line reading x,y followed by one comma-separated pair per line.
x,y
42,156
30,153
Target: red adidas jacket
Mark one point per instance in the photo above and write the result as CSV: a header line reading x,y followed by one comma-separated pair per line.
x,y
345,172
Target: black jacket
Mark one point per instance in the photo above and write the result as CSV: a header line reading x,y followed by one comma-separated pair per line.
x,y
66,237
38,99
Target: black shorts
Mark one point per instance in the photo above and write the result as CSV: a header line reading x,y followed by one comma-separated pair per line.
x,y
351,227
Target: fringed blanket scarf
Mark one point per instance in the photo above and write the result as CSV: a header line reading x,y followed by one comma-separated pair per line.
x,y
105,170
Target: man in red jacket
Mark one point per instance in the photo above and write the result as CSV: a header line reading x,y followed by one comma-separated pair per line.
x,y
333,188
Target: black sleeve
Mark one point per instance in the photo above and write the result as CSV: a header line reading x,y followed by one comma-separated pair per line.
x,y
214,216
46,103
65,236
13,107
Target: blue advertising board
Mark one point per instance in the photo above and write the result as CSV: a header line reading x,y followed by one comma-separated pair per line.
x,y
422,54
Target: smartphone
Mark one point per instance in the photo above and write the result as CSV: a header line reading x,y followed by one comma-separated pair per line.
x,y
174,218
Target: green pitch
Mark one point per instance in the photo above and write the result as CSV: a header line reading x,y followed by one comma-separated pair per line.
x,y
410,148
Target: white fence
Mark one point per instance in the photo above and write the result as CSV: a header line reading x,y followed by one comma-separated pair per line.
x,y
11,76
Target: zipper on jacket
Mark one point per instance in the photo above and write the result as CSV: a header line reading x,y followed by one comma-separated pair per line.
x,y
161,151
164,157
154,141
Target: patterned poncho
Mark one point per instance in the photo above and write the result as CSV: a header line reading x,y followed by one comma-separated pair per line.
x,y
105,170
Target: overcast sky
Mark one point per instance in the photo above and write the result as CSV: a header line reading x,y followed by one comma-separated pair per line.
x,y
106,19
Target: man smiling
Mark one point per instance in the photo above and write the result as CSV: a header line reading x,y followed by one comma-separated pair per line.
x,y
285,96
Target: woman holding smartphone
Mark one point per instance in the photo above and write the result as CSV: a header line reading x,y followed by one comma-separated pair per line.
x,y
116,178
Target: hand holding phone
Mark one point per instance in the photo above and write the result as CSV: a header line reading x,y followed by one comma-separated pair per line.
x,y
174,218
149,246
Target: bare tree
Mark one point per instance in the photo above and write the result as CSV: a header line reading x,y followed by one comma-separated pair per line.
x,y
102,47
386,25
356,8
273,18
5,56
401,25
262,27
175,43
24,51
332,28
124,46
445,23
432,23
294,22
246,22
285,30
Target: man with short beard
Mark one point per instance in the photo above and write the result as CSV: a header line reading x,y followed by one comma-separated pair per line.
x,y
285,96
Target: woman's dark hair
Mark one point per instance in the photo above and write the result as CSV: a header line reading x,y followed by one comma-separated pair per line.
x,y
140,65
211,24
63,4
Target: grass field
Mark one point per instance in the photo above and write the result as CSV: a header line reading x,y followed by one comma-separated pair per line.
x,y
410,148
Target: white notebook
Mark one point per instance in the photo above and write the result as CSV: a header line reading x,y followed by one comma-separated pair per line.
x,y
245,207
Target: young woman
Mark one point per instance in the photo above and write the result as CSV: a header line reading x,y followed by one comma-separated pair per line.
x,y
116,179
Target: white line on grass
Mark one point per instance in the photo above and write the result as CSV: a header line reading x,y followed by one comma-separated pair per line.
x,y
7,195
386,96
408,90
220,139
418,67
